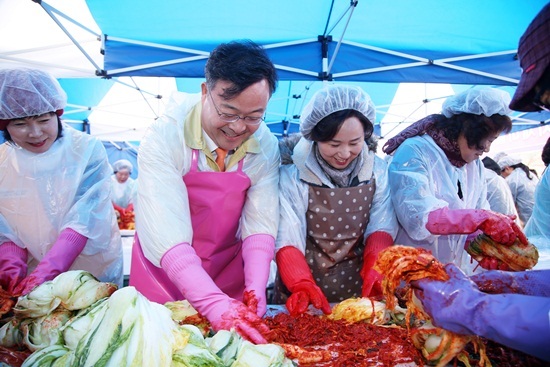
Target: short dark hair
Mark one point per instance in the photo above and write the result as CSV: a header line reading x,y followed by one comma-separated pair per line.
x,y
328,127
546,153
8,138
242,63
475,128
490,163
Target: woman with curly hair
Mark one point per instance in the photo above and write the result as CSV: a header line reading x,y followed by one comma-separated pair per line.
x,y
437,179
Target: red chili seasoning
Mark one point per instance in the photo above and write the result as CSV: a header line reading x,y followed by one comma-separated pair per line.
x,y
350,344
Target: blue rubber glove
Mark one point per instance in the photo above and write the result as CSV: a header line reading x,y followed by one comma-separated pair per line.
x,y
518,321
532,283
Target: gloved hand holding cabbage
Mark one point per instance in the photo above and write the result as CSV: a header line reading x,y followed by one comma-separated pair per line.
x,y
184,268
515,320
502,229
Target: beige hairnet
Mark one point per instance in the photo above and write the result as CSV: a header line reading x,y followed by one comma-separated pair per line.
x,y
29,92
335,98
487,101
122,164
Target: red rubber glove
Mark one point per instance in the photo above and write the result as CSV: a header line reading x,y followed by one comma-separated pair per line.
x,y
130,208
501,228
258,251
13,265
375,243
184,268
121,211
59,259
297,278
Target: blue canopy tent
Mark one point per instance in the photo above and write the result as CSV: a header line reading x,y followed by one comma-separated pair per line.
x,y
467,41
374,43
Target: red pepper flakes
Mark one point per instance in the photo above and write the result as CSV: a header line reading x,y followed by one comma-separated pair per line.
x,y
13,357
502,356
351,344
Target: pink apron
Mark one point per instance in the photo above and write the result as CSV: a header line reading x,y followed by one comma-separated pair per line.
x,y
216,200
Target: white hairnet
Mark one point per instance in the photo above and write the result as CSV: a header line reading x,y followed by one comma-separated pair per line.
x,y
29,92
122,164
507,161
487,101
335,98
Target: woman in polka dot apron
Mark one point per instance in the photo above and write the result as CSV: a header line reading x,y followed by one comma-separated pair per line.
x,y
333,196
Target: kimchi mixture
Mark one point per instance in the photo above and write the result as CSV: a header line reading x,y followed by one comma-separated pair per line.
x,y
325,342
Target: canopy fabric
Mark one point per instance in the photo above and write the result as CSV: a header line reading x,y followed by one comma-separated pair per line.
x,y
382,46
428,41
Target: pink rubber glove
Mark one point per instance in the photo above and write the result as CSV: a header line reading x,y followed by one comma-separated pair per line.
x,y
375,243
297,278
258,251
501,228
59,259
184,268
13,265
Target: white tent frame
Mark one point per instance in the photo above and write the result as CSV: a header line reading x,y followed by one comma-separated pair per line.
x,y
57,15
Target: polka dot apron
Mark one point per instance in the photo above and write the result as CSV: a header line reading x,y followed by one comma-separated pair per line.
x,y
336,221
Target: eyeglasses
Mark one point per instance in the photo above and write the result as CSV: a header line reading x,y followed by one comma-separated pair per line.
x,y
227,117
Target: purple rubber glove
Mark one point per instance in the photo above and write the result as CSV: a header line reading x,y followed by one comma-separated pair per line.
x,y
258,251
518,321
13,265
501,228
184,268
297,278
59,259
532,282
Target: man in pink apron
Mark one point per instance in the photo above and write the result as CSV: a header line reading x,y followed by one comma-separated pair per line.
x,y
207,204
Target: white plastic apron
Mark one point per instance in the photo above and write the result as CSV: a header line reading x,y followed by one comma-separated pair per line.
x,y
216,200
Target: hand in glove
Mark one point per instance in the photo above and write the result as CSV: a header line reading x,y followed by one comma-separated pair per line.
x,y
297,278
183,267
532,282
258,251
517,321
501,228
375,243
487,262
13,265
121,211
59,259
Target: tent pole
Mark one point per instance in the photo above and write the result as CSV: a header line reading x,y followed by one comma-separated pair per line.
x,y
50,10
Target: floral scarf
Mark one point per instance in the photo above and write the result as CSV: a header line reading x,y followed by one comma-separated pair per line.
x,y
426,126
